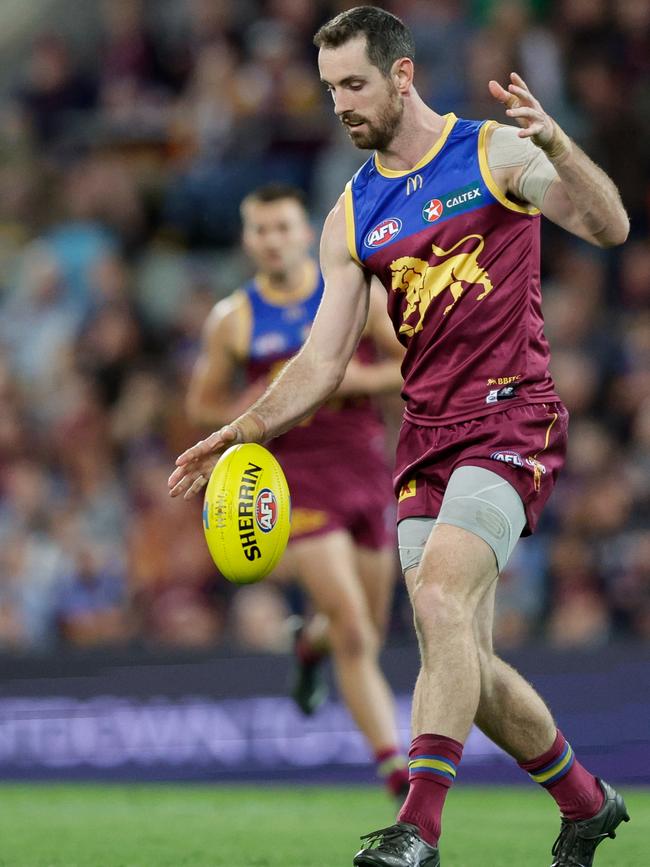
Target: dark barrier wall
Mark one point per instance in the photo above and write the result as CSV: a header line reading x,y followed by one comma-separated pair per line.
x,y
227,718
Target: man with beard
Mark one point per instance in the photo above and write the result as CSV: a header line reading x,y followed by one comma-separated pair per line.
x,y
446,215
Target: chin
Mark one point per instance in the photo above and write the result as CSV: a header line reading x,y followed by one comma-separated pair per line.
x,y
361,140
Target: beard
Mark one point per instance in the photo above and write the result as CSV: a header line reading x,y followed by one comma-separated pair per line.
x,y
378,134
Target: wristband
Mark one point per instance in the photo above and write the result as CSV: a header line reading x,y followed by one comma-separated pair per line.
x,y
250,428
559,144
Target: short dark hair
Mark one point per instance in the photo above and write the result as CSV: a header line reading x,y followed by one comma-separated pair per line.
x,y
387,37
274,192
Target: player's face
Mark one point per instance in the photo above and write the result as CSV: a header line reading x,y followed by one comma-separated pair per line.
x,y
277,235
366,102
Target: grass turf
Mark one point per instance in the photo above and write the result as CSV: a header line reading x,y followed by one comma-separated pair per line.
x,y
179,826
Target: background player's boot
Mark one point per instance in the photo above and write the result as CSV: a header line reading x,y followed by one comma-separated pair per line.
x,y
578,839
397,846
308,686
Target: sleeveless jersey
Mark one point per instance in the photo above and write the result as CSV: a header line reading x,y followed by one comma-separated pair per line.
x,y
278,330
460,263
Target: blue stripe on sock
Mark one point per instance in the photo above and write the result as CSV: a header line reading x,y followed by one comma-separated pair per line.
x,y
553,763
436,771
560,774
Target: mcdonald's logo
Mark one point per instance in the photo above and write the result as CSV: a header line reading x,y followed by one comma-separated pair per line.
x,y
413,183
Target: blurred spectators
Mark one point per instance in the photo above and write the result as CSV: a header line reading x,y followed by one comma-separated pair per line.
x,y
127,143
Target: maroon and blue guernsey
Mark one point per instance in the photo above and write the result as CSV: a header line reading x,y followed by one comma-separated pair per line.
x,y
278,331
460,263
335,462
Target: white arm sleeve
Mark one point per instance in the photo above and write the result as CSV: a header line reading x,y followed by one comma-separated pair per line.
x,y
507,150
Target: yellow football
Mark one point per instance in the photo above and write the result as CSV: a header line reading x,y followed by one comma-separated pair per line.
x,y
247,513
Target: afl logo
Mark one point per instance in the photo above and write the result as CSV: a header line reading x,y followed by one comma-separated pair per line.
x,y
432,210
384,232
266,510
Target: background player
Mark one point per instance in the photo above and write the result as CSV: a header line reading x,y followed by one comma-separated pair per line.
x,y
341,547
470,321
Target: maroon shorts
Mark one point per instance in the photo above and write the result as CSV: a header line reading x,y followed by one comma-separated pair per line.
x,y
343,490
525,445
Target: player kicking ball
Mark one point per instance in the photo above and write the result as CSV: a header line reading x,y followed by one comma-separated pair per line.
x,y
446,215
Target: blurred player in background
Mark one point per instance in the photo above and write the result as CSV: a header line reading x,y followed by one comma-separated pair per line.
x,y
446,215
342,545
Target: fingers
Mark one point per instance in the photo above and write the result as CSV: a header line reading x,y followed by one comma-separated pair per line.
x,y
187,484
216,441
517,91
498,92
175,478
518,80
197,485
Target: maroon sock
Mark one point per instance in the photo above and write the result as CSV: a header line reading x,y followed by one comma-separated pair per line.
x,y
393,769
306,654
576,791
433,760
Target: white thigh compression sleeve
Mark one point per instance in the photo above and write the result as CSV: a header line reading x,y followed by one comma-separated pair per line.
x,y
506,149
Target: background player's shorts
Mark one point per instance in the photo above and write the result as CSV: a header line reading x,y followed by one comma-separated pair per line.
x,y
525,445
341,490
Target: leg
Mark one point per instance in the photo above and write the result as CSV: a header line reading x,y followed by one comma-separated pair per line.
x,y
327,569
456,570
377,572
510,712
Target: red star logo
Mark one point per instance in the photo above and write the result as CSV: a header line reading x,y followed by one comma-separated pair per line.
x,y
432,210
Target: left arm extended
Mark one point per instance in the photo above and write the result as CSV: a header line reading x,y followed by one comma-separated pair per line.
x,y
582,199
384,375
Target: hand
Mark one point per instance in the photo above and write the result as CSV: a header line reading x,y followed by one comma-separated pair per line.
x,y
526,110
194,466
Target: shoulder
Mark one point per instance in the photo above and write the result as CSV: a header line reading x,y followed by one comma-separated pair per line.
x,y
505,147
228,322
337,247
228,309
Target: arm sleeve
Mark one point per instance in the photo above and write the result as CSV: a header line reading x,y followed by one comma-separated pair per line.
x,y
507,150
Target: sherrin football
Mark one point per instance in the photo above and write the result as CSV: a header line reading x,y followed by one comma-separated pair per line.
x,y
247,513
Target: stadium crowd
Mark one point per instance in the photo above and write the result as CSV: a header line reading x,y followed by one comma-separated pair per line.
x,y
128,137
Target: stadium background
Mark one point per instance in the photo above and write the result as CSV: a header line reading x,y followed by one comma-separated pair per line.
x,y
129,132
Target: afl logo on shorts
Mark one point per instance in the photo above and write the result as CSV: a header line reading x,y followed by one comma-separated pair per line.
x,y
266,510
384,232
432,210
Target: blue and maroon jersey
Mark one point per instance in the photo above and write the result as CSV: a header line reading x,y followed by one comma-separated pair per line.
x,y
460,264
277,331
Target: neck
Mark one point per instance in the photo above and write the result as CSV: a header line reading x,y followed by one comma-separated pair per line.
x,y
290,286
419,130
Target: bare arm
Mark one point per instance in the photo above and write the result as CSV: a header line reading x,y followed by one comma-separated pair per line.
x,y
309,378
211,400
583,199
384,375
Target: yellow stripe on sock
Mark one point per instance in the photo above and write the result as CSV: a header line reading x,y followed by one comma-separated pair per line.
x,y
435,764
542,778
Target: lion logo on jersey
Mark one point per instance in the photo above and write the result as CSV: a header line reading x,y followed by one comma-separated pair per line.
x,y
421,281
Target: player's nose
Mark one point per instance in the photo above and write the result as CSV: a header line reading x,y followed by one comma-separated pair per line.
x,y
342,104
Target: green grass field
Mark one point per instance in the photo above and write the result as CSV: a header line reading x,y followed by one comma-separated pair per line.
x,y
201,826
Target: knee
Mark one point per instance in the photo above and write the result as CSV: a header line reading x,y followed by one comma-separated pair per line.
x,y
437,608
352,635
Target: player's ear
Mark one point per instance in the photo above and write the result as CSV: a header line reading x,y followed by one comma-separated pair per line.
x,y
402,74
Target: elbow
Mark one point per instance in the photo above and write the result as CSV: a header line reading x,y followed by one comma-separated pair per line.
x,y
616,234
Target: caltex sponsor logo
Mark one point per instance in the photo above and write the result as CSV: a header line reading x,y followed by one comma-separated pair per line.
x,y
454,202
